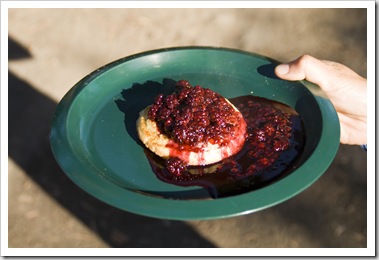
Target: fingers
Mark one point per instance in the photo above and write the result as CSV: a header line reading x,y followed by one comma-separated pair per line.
x,y
305,67
344,87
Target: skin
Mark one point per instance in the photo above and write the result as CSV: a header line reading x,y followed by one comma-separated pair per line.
x,y
345,88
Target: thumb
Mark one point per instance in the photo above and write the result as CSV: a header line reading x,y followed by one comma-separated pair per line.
x,y
305,67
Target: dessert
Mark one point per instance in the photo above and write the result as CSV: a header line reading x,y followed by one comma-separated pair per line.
x,y
275,138
192,126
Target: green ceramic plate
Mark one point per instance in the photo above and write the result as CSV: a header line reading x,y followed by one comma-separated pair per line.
x,y
94,139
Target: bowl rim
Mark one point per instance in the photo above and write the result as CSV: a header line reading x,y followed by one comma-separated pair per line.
x,y
176,209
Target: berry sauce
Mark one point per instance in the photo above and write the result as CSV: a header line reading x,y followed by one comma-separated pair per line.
x,y
194,115
274,139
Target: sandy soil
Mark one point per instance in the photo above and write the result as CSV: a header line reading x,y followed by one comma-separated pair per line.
x,y
51,49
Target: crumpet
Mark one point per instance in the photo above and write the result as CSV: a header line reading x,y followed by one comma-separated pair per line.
x,y
194,124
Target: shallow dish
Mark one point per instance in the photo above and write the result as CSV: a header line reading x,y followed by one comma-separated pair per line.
x,y
94,138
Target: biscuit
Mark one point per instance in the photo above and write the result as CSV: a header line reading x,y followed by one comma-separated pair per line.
x,y
201,154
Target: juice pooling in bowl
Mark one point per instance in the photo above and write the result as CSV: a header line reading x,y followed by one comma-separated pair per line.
x,y
274,140
94,140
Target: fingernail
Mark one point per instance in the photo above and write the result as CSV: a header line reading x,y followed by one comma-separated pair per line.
x,y
282,69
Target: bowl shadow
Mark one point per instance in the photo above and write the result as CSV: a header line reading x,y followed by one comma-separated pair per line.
x,y
30,115
138,97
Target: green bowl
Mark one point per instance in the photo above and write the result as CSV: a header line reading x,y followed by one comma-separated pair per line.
x,y
94,139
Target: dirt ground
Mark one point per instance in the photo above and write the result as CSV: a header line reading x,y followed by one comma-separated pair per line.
x,y
51,49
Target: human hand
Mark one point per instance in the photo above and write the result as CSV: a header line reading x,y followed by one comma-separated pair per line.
x,y
346,90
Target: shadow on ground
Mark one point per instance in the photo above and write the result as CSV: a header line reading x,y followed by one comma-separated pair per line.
x,y
30,114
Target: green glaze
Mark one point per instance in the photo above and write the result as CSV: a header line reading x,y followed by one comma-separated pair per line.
x,y
94,140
